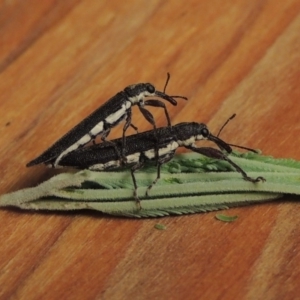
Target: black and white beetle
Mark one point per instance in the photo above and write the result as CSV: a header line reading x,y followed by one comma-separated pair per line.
x,y
141,148
102,120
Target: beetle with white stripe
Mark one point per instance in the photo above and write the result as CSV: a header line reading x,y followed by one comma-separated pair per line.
x,y
107,116
143,147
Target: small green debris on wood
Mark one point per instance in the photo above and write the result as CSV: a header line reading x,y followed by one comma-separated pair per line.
x,y
159,226
225,218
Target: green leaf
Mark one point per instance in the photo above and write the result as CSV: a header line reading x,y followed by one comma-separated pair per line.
x,y
190,183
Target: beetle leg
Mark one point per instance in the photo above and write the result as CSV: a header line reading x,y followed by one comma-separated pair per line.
x,y
160,162
215,153
134,168
158,103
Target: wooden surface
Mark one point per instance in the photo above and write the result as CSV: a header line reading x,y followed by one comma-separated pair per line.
x,y
60,60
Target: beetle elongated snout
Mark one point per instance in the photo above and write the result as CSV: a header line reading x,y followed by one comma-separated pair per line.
x,y
220,143
169,98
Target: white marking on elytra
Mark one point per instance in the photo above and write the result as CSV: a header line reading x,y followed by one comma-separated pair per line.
x,y
150,154
119,115
102,167
84,140
97,129
133,158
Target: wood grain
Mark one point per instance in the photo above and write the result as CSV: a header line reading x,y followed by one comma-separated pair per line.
x,y
60,60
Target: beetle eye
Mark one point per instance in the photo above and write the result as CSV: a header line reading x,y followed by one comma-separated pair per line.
x,y
205,132
150,88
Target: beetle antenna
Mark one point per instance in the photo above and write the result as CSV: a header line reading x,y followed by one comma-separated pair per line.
x,y
233,145
245,148
228,120
165,87
167,81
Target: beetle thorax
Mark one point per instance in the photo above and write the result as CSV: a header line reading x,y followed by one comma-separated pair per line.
x,y
187,142
139,98
200,137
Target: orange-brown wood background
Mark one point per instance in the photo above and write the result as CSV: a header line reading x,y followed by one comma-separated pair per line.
x,y
60,60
